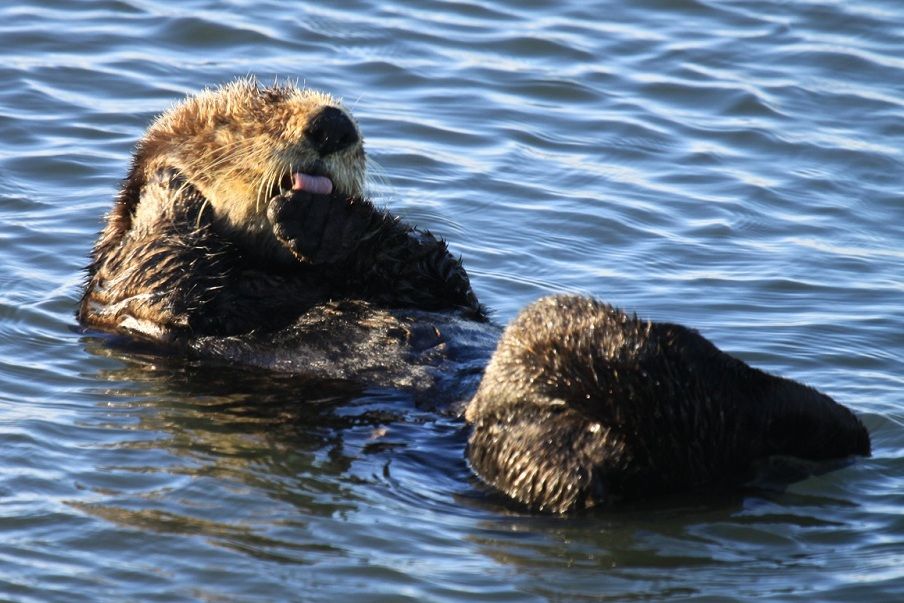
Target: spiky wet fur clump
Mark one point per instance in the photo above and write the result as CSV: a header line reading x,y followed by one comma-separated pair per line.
x,y
582,404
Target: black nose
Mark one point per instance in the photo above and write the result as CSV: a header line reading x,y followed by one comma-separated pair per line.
x,y
331,130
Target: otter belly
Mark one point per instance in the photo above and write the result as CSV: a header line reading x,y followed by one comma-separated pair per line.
x,y
439,356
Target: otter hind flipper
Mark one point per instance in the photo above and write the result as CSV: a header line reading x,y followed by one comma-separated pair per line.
x,y
802,422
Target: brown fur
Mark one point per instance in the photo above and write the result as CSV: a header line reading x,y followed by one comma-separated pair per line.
x,y
580,404
206,238
233,144
583,404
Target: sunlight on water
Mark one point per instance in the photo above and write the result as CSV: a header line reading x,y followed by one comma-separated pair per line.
x,y
735,167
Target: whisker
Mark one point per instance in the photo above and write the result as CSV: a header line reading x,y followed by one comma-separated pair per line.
x,y
230,151
376,175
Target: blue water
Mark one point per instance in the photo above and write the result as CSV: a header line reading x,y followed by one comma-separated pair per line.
x,y
733,166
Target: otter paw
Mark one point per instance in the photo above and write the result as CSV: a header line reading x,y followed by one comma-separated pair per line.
x,y
298,218
318,229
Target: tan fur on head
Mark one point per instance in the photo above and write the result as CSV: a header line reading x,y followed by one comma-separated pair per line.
x,y
238,142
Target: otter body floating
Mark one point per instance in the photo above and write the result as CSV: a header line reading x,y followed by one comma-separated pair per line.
x,y
582,404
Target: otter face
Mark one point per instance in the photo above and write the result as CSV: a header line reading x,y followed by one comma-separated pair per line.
x,y
240,144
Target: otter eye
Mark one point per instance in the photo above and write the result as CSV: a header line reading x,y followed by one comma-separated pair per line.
x,y
330,131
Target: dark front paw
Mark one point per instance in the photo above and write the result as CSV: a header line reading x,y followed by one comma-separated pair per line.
x,y
298,218
319,229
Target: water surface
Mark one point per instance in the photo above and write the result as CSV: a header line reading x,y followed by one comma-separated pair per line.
x,y
733,166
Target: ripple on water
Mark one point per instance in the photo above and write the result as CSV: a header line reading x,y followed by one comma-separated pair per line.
x,y
734,167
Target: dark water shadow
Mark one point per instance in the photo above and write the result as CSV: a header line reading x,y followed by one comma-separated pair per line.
x,y
285,440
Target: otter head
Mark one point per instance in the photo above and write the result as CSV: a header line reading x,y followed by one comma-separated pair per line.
x,y
242,143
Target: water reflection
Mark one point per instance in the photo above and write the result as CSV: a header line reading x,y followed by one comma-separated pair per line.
x,y
223,444
730,166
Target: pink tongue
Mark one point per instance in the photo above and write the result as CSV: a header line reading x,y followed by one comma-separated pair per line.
x,y
318,185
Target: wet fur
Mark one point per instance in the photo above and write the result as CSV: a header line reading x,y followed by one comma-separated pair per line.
x,y
582,404
206,239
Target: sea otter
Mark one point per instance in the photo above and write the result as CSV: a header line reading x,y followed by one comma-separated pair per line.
x,y
242,234
243,209
582,404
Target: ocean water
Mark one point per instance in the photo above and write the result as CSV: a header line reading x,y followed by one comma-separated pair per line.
x,y
735,166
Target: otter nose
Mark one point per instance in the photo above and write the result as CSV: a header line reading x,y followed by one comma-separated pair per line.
x,y
331,130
